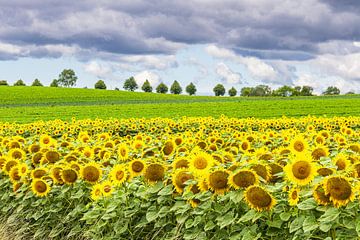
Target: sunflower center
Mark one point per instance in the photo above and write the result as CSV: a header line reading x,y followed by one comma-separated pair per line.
x,y
137,166
299,146
40,187
91,173
107,188
259,198
200,163
301,169
318,153
341,164
339,188
244,179
181,164
69,175
218,180
119,175
294,195
154,172
17,155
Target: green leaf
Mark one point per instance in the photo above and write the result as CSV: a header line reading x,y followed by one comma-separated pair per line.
x,y
308,204
325,226
310,224
189,223
296,224
168,190
236,196
285,216
151,215
330,215
209,225
225,220
248,216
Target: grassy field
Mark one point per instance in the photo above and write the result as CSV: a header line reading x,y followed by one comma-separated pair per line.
x,y
26,104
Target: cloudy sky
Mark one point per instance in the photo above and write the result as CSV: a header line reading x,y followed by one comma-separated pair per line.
x,y
238,43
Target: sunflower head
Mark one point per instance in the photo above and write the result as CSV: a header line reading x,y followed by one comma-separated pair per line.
x,y
17,153
123,152
96,192
40,187
180,162
301,170
69,175
201,163
169,147
298,145
39,172
119,174
179,177
218,181
107,188
154,172
258,198
319,151
262,170
243,179
339,190
319,195
91,172
136,167
294,196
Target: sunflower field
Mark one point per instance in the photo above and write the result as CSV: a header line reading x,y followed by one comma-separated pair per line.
x,y
186,178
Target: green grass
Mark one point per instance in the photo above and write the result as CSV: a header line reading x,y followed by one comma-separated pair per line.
x,y
26,104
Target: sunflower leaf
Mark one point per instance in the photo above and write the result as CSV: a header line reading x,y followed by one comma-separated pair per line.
x,y
308,204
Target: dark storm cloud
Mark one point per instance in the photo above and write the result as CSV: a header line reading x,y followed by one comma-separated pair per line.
x,y
278,29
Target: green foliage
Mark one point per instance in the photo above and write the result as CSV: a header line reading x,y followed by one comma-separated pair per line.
x,y
130,84
332,90
100,85
146,87
67,78
19,83
36,83
3,83
162,88
54,83
232,92
245,91
191,89
20,103
175,88
219,90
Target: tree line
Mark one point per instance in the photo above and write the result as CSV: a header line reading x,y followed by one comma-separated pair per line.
x,y
68,78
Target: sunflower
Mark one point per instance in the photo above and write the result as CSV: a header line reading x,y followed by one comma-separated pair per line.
x,y
301,170
169,147
179,177
96,192
36,158
180,162
91,172
17,153
258,198
243,179
245,145
339,190
106,188
40,188
324,171
275,169
341,161
14,174
119,174
9,164
154,172
3,160
200,163
262,170
319,195
69,175
34,148
294,196
88,153
52,156
356,170
46,141
38,172
23,169
136,167
55,174
319,151
218,181
123,152
298,145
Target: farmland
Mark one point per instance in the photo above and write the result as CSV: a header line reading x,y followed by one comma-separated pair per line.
x,y
188,178
27,104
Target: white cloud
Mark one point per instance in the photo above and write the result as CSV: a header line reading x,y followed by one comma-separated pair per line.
x,y
10,48
151,61
227,74
153,78
97,69
258,69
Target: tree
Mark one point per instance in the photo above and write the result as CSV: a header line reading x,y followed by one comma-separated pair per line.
x,y
175,88
219,90
232,92
306,91
67,78
54,83
190,89
3,83
130,84
332,90
100,85
350,93
146,87
284,91
245,91
162,88
36,83
19,83
260,90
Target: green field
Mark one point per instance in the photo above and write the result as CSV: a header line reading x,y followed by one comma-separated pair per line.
x,y
26,104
